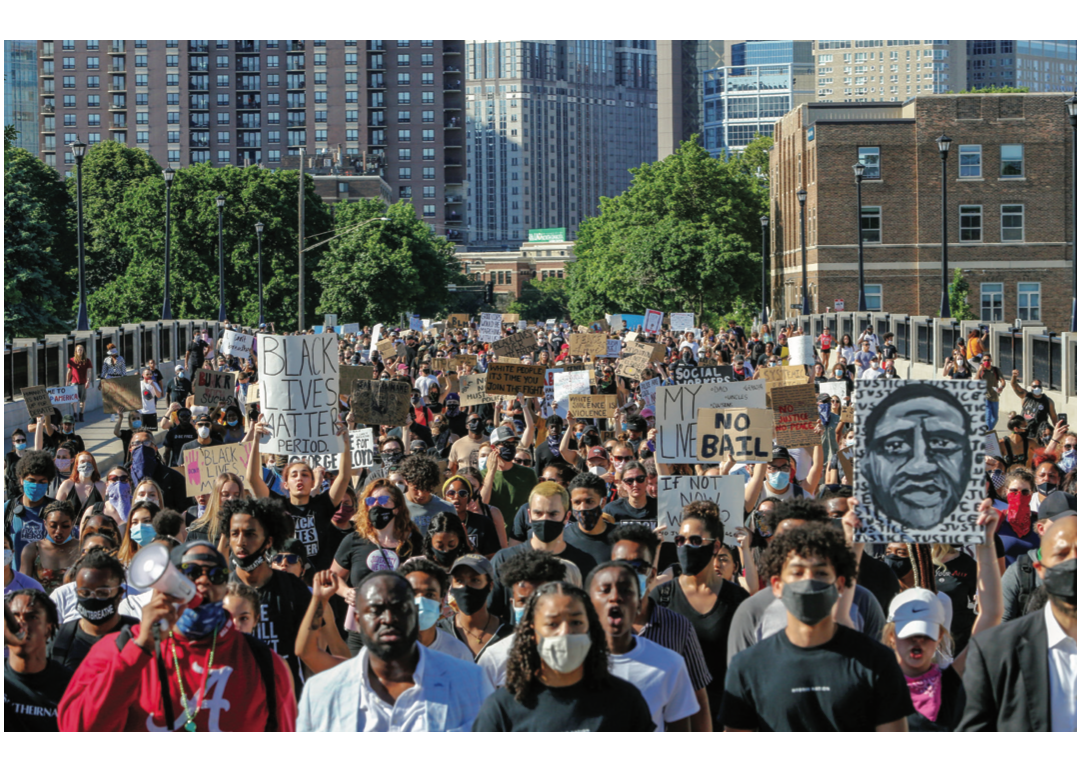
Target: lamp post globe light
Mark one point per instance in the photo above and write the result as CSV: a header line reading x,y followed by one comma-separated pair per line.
x,y
805,309
764,220
82,320
166,310
258,233
221,256
944,145
862,302
1072,109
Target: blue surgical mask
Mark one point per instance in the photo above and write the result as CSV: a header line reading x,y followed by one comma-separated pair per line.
x,y
643,579
136,423
518,614
778,480
34,491
20,446
429,612
143,534
233,422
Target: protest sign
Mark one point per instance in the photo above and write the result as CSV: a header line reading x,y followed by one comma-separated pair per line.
x,y
682,322
451,364
614,322
846,417
991,446
570,383
510,318
329,320
360,445
376,336
298,384
919,460
613,348
741,434
37,401
348,329
587,344
602,325
653,321
694,375
833,389
549,405
473,390
510,379
415,323
490,327
796,415
783,376
376,401
675,492
522,325
202,466
120,394
350,374
515,345
551,323
217,388
456,321
509,359
676,409
635,356
60,396
236,344
252,393
648,388
593,406
800,350
386,348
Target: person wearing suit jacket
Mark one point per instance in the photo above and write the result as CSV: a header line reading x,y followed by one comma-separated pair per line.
x,y
1020,676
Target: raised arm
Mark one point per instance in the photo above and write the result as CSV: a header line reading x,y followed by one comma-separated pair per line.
x,y
989,580
313,625
569,453
812,480
344,475
254,462
528,438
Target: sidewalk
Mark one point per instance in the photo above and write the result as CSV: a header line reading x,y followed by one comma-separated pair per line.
x,y
96,433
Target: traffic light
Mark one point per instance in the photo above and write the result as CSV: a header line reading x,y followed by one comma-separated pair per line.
x,y
490,291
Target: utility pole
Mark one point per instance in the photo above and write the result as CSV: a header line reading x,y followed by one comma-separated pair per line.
x,y
301,237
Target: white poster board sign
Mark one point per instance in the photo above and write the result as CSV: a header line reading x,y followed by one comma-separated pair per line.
x,y
569,383
676,491
236,344
682,322
648,388
415,323
59,396
800,350
676,408
361,445
490,327
653,321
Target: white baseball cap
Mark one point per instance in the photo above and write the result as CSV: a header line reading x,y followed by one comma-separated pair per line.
x,y
917,612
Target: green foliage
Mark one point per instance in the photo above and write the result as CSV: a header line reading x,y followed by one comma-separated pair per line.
x,y
685,235
958,296
540,300
997,89
374,271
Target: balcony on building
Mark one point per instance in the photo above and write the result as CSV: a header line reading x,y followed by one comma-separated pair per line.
x,y
118,66
454,123
198,46
450,51
376,82
376,62
248,101
115,125
46,109
376,44
291,45
451,86
454,199
247,46
47,49
114,48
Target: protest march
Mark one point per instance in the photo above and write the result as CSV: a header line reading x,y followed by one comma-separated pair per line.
x,y
483,523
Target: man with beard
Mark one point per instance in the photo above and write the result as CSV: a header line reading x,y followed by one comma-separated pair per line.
x,y
395,684
918,457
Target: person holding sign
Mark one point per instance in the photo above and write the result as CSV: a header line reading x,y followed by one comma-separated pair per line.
x,y
636,506
777,478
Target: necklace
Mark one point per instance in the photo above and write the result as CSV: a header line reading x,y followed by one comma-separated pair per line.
x,y
482,636
190,725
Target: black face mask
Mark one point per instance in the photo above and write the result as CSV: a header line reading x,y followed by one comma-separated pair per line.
x,y
380,517
474,425
548,530
1060,581
809,601
506,453
392,457
590,440
469,600
588,518
694,559
94,610
900,566
447,557
251,561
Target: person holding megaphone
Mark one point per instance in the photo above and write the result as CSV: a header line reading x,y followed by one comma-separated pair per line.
x,y
184,667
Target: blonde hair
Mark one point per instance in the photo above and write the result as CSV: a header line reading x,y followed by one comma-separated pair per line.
x,y
160,494
548,490
944,645
211,518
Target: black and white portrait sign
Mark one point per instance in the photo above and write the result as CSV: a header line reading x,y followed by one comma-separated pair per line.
x,y
919,460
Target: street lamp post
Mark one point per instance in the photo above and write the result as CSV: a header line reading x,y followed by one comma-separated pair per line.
x,y
944,144
168,174
82,321
221,255
805,309
258,233
862,303
764,220
1072,108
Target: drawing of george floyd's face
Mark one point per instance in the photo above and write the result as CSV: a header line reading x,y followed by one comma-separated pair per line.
x,y
918,456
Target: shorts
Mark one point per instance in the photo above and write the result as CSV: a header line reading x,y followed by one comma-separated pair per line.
x,y
149,421
82,393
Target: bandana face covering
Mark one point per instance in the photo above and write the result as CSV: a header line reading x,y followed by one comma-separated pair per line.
x,y
1018,513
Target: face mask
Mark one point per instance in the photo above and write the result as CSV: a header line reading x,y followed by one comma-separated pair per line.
x,y
136,423
251,561
809,601
1060,581
8,557
199,622
850,441
997,477
961,363
518,613
20,446
86,468
548,530
179,375
642,579
201,509
694,559
119,495
838,372
380,517
34,491
203,432
598,469
474,425
1036,391
564,653
94,610
143,462
143,533
62,465
446,557
392,458
469,600
900,566
1046,488
481,462
428,611
778,480
506,453
588,518
233,422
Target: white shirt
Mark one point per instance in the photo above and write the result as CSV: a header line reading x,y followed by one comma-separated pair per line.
x,y
133,603
444,642
494,660
1062,665
662,679
424,384
870,373
65,600
149,404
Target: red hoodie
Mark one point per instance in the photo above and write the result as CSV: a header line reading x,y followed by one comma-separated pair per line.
x,y
114,691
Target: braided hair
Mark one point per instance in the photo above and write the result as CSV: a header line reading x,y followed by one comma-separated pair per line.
x,y
924,569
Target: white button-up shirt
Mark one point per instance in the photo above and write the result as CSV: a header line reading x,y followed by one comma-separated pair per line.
x,y
1062,673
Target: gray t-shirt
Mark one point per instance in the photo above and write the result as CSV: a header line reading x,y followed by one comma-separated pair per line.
x,y
422,513
762,615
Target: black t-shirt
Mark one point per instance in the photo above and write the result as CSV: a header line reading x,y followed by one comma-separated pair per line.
x,y
197,350
361,557
499,598
330,540
30,700
482,533
285,599
876,576
597,547
173,485
76,643
852,683
312,524
544,457
624,512
617,707
190,444
178,389
959,582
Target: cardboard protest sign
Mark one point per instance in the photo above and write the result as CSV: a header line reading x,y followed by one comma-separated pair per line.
x,y
510,379
456,321
329,320
694,375
60,396
216,388
386,347
602,325
677,491
549,405
796,416
648,388
991,446
350,374
451,364
298,381
473,390
510,318
743,434
833,389
120,394
635,357
381,402
450,382
490,327
202,466
587,344
236,344
800,350
653,321
613,348
919,460
593,406
783,376
252,393
515,345
37,401
676,408
846,417
360,445
682,322
509,359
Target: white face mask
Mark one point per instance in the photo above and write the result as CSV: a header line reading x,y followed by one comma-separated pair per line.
x,y
9,555
597,469
86,468
203,432
564,653
482,463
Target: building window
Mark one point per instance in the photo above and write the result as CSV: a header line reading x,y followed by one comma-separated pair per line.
x,y
404,116
991,301
1012,161
223,157
404,192
351,96
428,192
428,155
428,79
1029,300
404,135
93,101
404,78
969,161
427,59
404,155
273,117
173,155
273,136
501,277
428,172
223,136
428,135
869,156
871,225
428,210
1012,222
94,120
874,296
273,155
969,222
405,173
427,96
428,116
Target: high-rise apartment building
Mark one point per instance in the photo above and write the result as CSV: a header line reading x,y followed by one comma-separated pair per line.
x,y
390,107
552,125
681,65
20,91
1041,65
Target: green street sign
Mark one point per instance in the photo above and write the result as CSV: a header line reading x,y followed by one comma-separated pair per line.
x,y
546,234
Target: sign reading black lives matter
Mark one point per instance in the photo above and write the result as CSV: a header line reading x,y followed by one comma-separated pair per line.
x,y
919,460
298,386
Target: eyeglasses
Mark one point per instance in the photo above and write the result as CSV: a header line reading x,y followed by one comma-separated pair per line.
x,y
286,559
100,593
523,462
381,501
640,566
119,479
450,494
19,440
680,540
215,573
638,480
1023,491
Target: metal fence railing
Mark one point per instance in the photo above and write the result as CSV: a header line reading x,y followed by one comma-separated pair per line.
x,y
1047,352
924,344
902,339
1010,353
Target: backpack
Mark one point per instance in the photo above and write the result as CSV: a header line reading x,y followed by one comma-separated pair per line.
x,y
1027,581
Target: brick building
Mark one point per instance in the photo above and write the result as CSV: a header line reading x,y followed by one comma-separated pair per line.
x,y
510,270
1010,205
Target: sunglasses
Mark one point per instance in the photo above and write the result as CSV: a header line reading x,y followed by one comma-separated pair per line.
x,y
450,494
215,573
638,480
286,559
382,501
680,540
19,440
523,462
1023,491
119,479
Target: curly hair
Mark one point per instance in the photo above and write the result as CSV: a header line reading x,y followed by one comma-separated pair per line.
x,y
706,512
33,462
638,534
523,665
38,597
590,482
813,539
531,565
421,565
59,506
269,512
403,527
447,522
419,471
168,522
99,559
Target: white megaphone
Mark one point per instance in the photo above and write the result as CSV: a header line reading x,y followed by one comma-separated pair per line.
x,y
152,568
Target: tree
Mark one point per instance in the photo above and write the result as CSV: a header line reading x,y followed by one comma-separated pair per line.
x,y
998,89
958,296
540,300
374,271
685,236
